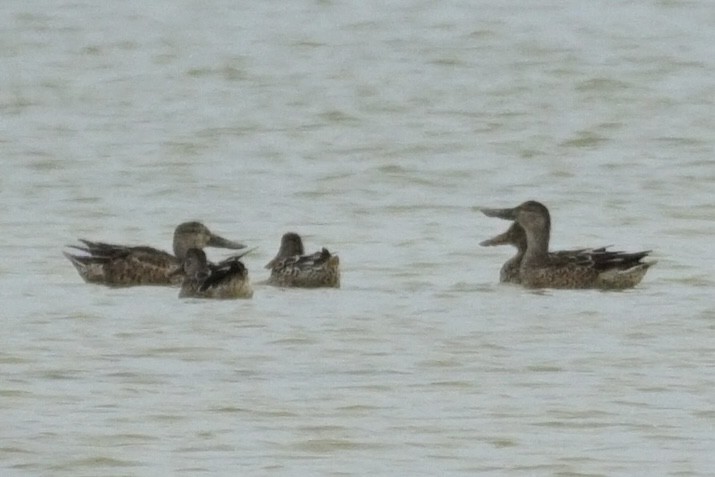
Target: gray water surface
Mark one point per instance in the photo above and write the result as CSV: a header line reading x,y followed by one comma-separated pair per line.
x,y
374,129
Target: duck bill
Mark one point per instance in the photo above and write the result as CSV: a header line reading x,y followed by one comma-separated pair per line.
x,y
501,239
273,262
242,254
220,242
506,214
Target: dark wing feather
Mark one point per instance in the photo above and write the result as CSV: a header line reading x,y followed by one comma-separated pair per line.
x,y
223,271
313,260
119,265
598,259
109,251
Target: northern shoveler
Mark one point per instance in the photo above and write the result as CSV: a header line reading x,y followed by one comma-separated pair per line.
x,y
292,268
582,268
201,279
515,235
119,265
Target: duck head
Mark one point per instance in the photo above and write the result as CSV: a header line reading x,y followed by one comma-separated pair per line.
x,y
194,262
291,245
531,215
534,218
515,236
196,235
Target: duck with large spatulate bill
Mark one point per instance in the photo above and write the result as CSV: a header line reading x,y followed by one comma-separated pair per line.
x,y
586,268
511,270
122,266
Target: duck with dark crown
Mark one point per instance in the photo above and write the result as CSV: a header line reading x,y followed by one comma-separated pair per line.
x,y
224,280
292,268
535,266
120,265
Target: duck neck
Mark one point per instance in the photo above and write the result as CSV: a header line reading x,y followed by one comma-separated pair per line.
x,y
510,269
180,249
537,245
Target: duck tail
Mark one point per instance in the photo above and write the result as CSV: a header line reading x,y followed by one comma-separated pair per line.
x,y
90,270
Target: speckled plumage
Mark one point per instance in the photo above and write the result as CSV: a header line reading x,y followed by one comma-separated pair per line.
x,y
511,270
224,280
535,267
292,268
120,265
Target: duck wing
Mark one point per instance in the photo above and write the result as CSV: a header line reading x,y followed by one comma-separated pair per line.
x,y
223,271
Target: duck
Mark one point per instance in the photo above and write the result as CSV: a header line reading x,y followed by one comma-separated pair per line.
x,y
570,269
125,266
291,267
224,280
516,236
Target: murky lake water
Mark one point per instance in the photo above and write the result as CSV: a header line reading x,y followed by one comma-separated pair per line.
x,y
373,130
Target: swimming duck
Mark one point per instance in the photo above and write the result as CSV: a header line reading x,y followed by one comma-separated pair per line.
x,y
119,265
582,268
292,268
515,235
226,279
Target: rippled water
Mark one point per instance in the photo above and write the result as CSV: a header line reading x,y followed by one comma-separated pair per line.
x,y
372,129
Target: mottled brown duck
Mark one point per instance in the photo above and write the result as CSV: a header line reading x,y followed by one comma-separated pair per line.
x,y
540,268
224,280
123,266
292,268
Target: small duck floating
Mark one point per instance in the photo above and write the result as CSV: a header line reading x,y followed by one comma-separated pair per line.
x,y
125,266
224,280
535,267
292,268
